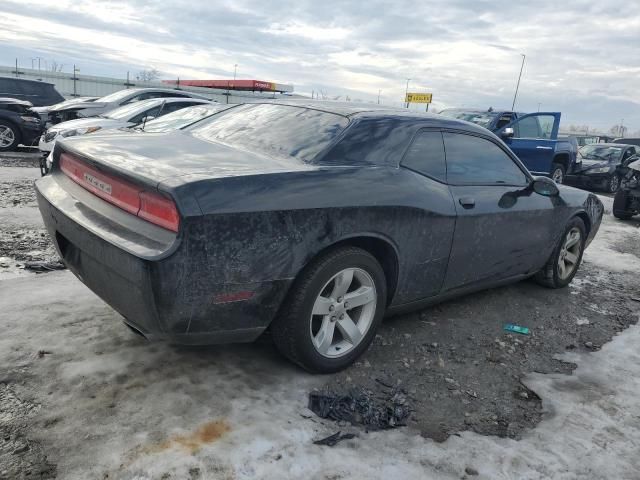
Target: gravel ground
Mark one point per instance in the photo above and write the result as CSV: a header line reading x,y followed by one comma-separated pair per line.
x,y
76,385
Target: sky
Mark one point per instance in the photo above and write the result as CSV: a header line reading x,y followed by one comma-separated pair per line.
x,y
582,56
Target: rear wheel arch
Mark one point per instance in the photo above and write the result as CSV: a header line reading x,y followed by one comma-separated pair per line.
x,y
381,248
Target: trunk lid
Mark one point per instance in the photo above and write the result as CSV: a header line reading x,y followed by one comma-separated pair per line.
x,y
150,158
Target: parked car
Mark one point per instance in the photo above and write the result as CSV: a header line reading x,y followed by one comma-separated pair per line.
x,y
127,116
626,203
179,119
33,91
310,220
121,98
19,124
51,114
600,162
628,141
533,137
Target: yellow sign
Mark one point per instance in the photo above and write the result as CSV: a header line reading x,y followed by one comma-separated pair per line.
x,y
418,98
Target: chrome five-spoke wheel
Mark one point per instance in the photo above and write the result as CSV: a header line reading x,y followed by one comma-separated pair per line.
x,y
569,253
343,312
7,137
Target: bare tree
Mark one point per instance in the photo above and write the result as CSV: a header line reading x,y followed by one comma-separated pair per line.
x,y
147,75
618,130
56,67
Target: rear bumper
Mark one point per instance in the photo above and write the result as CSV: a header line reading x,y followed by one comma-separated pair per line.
x,y
161,293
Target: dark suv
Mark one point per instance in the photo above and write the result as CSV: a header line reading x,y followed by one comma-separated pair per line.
x,y
38,93
18,124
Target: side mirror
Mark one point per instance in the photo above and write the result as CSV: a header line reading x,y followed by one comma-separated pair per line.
x,y
545,186
508,132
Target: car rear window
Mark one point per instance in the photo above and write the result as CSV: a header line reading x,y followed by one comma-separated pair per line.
x,y
280,131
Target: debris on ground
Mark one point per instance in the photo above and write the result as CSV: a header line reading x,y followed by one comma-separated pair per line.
x,y
332,440
509,327
361,407
43,266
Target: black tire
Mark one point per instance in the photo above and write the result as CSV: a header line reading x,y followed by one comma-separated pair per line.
x,y
16,136
613,184
620,206
549,275
558,172
291,329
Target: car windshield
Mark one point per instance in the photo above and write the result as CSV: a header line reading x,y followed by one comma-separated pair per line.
x,y
483,119
599,152
184,117
280,131
131,110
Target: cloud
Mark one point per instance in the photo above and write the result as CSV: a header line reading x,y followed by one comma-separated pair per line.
x,y
581,56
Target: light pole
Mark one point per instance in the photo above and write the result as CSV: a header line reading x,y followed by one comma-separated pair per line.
x,y
235,68
406,91
539,106
513,105
379,92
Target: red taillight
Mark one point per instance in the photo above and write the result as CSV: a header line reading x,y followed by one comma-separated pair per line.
x,y
151,206
159,210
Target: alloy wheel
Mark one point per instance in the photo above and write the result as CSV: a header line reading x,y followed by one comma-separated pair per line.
x,y
7,137
557,175
614,184
569,253
343,312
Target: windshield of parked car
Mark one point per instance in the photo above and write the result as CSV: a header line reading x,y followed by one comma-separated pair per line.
x,y
280,131
131,110
483,119
184,117
599,152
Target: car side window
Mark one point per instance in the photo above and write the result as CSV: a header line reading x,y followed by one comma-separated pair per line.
x,y
152,112
426,155
477,161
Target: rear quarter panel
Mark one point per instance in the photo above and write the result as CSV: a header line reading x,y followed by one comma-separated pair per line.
x,y
261,229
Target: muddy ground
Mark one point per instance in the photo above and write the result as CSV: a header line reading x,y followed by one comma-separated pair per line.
x,y
73,379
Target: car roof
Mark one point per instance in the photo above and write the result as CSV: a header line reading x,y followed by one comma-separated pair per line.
x,y
15,101
400,115
617,145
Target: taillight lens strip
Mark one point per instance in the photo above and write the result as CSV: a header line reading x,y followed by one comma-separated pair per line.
x,y
150,206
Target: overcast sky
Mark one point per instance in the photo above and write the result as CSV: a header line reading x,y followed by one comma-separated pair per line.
x,y
583,57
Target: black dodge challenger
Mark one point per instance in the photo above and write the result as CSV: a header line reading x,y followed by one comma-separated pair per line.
x,y
310,220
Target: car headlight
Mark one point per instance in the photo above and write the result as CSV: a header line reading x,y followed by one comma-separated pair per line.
x,y
79,131
599,170
30,119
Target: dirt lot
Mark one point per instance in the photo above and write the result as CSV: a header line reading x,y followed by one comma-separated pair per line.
x,y
82,397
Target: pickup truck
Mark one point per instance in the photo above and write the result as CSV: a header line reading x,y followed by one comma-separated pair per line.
x,y
533,137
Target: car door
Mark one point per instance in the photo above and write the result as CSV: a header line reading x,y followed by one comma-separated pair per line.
x,y
430,231
534,139
502,227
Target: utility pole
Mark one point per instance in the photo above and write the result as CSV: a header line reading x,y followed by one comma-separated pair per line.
x,y
621,127
406,91
539,106
513,105
379,92
16,68
75,78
